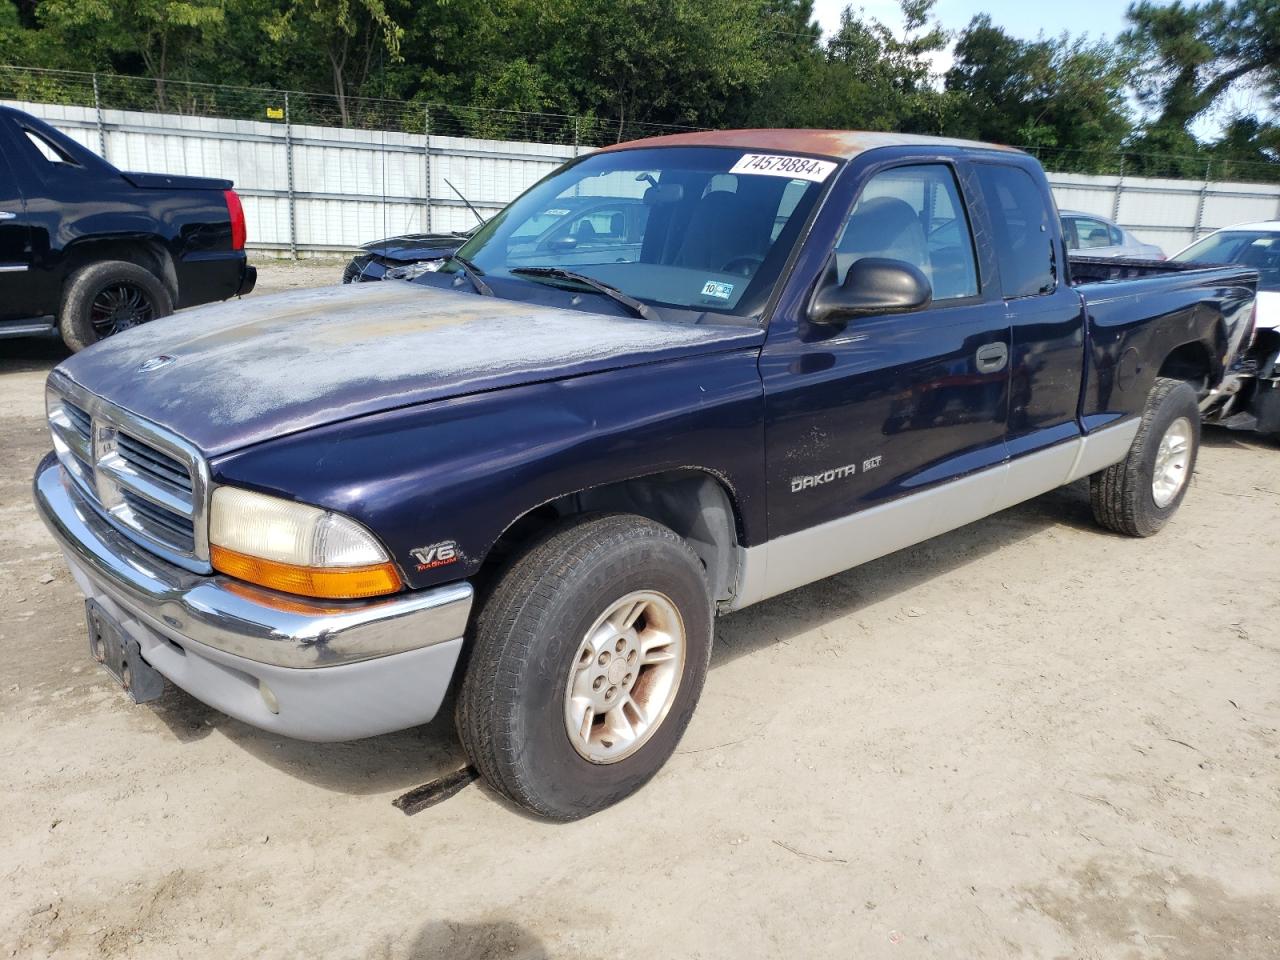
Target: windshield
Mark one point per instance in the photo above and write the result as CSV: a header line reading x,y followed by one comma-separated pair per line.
x,y
701,229
1259,249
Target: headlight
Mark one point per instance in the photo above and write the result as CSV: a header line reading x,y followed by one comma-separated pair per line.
x,y
412,270
296,548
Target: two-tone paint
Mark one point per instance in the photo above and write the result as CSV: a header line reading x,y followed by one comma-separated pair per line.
x,y
441,416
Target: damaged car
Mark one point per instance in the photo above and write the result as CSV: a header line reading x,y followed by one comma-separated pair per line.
x,y
1250,396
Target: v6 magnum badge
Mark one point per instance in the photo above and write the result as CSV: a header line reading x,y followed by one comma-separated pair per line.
x,y
437,555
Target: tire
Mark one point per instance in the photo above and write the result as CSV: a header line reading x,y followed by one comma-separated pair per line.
x,y
531,646
138,293
1124,496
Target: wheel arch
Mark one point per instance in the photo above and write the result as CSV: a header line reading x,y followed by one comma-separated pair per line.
x,y
150,253
1194,363
695,502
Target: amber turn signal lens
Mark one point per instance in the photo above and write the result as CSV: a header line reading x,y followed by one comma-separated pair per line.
x,y
333,583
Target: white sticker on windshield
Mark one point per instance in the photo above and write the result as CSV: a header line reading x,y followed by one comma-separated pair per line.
x,y
714,288
777,165
557,212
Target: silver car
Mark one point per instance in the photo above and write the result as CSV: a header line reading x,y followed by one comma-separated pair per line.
x,y
1090,235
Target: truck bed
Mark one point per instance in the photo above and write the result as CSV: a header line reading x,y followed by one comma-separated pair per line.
x,y
1102,269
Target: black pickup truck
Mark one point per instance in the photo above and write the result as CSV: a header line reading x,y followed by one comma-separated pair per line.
x,y
87,251
535,478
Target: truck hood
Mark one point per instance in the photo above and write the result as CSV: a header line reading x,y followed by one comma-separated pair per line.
x,y
417,246
230,375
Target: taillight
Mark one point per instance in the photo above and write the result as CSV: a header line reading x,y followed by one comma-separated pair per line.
x,y
236,212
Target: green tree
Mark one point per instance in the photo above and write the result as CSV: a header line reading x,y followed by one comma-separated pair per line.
x,y
1191,57
1191,54
864,77
350,35
1059,93
157,35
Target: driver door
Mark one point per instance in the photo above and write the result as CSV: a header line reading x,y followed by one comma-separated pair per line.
x,y
863,415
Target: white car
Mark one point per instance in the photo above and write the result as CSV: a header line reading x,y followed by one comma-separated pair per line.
x,y
1256,406
1089,235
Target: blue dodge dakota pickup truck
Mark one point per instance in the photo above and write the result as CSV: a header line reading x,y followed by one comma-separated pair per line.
x,y
536,483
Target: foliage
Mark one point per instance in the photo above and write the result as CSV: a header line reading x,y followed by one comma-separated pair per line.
x,y
601,67
1061,92
1191,57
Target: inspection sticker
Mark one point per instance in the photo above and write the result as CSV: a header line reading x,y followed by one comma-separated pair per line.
x,y
777,165
721,291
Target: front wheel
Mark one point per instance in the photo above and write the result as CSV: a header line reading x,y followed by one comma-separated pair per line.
x,y
1138,495
589,659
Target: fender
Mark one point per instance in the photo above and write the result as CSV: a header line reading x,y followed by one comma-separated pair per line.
x,y
459,472
1136,325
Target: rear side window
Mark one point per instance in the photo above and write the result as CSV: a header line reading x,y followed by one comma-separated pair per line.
x,y
1020,220
48,149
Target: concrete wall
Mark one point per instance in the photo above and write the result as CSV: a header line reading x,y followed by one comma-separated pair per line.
x,y
1170,213
314,190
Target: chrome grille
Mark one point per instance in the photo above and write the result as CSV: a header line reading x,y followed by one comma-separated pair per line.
x,y
79,419
152,485
155,464
159,522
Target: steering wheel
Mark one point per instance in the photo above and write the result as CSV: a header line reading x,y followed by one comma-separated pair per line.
x,y
743,266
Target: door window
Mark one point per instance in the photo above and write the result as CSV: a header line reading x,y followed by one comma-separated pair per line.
x,y
914,214
1020,221
1092,234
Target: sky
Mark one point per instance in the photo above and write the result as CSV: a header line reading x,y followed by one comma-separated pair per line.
x,y
1026,19
1022,18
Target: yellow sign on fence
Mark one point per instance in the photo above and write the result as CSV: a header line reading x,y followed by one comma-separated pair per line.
x,y
275,113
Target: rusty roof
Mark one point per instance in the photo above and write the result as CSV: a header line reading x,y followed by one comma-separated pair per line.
x,y
831,143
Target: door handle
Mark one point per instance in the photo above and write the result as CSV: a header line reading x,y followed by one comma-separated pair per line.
x,y
6,215
992,357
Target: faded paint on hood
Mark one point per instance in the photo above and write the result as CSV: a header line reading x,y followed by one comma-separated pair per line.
x,y
251,370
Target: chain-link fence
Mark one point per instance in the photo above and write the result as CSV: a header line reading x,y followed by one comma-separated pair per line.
x,y
185,98
1160,165
320,174
103,91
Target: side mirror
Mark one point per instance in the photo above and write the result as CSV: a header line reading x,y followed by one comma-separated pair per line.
x,y
873,285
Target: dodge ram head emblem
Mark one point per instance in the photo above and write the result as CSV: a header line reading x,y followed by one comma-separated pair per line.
x,y
155,363
436,555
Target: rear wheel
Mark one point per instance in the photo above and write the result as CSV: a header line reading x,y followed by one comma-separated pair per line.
x,y
110,297
1138,495
589,659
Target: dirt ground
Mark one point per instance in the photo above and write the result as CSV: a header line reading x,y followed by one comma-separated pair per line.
x,y
1027,738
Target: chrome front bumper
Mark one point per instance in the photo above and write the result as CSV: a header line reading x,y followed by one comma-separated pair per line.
x,y
334,671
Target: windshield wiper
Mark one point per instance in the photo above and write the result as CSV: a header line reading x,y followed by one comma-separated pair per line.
x,y
472,273
599,286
